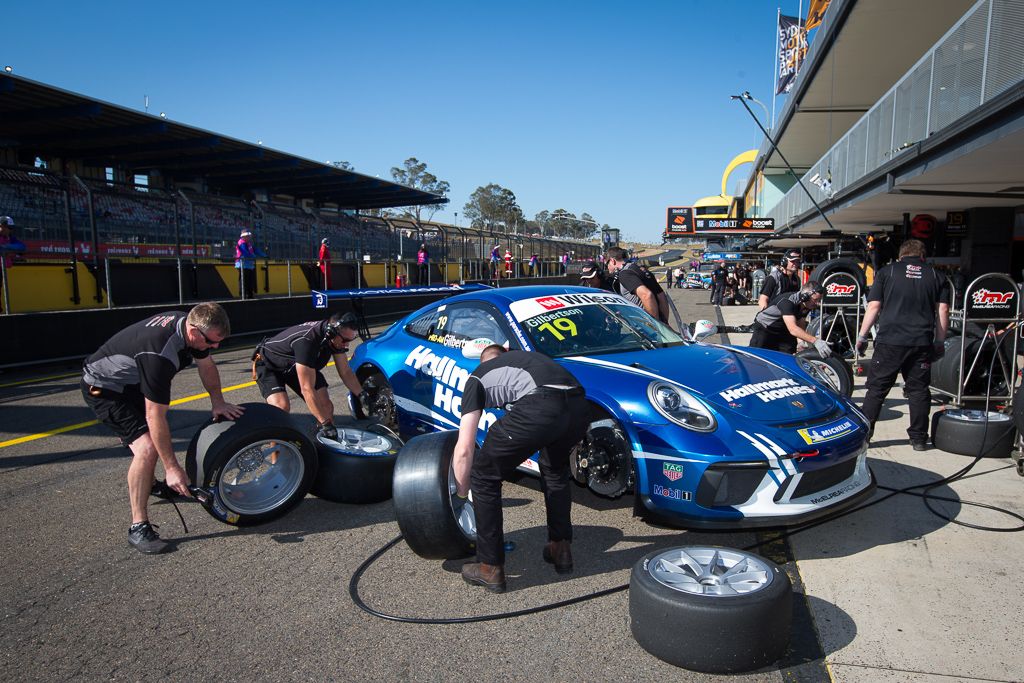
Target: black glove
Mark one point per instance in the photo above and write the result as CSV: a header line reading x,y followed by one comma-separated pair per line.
x,y
328,430
938,350
862,344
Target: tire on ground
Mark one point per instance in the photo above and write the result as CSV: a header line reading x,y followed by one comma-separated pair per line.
x,y
973,432
434,526
686,608
259,466
835,369
359,466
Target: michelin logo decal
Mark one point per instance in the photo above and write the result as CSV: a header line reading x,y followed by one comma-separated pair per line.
x,y
826,432
768,391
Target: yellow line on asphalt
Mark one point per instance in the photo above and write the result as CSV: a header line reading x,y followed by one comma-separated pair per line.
x,y
38,379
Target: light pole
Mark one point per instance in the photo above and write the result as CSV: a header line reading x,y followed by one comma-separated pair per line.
x,y
747,96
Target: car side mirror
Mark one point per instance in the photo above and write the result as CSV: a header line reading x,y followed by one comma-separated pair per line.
x,y
703,329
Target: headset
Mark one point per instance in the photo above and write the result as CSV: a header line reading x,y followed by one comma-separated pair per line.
x,y
808,291
338,321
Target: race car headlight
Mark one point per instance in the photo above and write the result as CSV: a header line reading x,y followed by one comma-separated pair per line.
x,y
680,407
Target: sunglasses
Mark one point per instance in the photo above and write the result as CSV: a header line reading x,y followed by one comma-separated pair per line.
x,y
211,342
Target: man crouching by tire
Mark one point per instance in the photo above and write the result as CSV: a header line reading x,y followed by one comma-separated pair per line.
x,y
127,383
910,300
294,359
545,411
782,323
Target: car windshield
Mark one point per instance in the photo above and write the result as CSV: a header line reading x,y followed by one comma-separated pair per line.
x,y
597,328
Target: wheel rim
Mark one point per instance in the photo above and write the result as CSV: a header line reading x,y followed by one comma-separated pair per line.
x,y
462,508
830,374
360,442
261,477
710,571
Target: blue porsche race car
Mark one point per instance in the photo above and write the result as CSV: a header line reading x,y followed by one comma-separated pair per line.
x,y
705,435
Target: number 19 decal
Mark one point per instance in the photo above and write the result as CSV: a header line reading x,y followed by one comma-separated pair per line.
x,y
559,325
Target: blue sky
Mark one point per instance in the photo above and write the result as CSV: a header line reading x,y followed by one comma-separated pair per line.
x,y
617,109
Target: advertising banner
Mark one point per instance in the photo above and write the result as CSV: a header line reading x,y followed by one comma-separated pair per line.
x,y
792,43
679,221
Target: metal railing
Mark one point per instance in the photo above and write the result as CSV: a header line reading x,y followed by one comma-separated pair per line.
x,y
976,60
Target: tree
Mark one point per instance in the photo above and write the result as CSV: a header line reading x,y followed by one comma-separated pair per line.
x,y
494,206
562,222
413,173
342,165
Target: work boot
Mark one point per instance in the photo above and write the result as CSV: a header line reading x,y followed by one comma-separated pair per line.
x,y
559,553
490,576
145,539
919,445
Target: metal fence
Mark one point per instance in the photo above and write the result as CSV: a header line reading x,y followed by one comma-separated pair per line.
x,y
976,60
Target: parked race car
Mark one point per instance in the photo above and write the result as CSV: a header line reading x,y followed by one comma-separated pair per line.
x,y
706,436
695,280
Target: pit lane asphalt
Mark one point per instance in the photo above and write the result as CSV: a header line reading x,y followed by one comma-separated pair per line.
x,y
271,602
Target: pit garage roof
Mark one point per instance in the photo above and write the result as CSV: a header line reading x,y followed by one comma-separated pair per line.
x,y
859,51
38,119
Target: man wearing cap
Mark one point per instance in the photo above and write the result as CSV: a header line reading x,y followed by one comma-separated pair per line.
x,y
592,275
245,261
323,260
9,244
294,359
782,281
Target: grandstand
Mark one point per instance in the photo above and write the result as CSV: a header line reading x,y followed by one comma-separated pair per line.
x,y
114,191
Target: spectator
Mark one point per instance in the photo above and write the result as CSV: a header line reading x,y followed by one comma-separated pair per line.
x,y
534,263
423,265
565,262
245,261
323,260
9,244
496,260
508,263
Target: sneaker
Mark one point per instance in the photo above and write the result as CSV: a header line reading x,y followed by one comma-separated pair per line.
x,y
919,445
162,490
490,576
145,539
559,553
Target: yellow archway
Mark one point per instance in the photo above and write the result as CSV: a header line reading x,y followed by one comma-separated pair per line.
x,y
718,206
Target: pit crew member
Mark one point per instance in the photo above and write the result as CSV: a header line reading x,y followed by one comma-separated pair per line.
x,y
545,411
780,325
637,284
910,301
781,281
127,384
294,359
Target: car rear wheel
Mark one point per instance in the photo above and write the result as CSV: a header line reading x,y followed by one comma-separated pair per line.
x,y
258,467
710,609
435,522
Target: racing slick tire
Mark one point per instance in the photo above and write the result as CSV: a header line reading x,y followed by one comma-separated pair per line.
x,y
257,467
840,265
838,333
359,465
435,522
946,370
836,370
710,608
974,432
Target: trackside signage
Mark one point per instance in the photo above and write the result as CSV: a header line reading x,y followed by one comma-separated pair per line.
x,y
993,296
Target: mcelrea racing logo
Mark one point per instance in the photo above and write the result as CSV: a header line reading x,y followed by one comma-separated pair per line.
x,y
985,298
768,391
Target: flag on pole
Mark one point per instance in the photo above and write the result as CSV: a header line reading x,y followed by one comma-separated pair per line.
x,y
792,50
815,13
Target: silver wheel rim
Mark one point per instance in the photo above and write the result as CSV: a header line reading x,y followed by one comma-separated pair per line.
x,y
261,477
710,571
360,442
830,374
462,508
977,416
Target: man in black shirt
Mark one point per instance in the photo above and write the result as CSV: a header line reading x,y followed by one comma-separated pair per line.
x,y
910,300
295,357
637,284
718,282
779,326
127,383
545,411
781,281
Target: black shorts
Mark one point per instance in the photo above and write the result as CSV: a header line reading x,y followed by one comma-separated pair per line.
x,y
763,338
124,413
271,381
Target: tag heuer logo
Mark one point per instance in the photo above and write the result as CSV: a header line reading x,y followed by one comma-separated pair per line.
x,y
797,404
673,472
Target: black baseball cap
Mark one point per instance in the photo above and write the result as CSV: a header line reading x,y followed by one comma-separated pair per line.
x,y
792,255
588,271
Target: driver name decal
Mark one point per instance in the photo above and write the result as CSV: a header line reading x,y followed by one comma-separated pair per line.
x,y
768,391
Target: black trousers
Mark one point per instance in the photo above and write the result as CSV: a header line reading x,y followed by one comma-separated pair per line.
x,y
716,292
551,422
762,338
915,364
248,282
